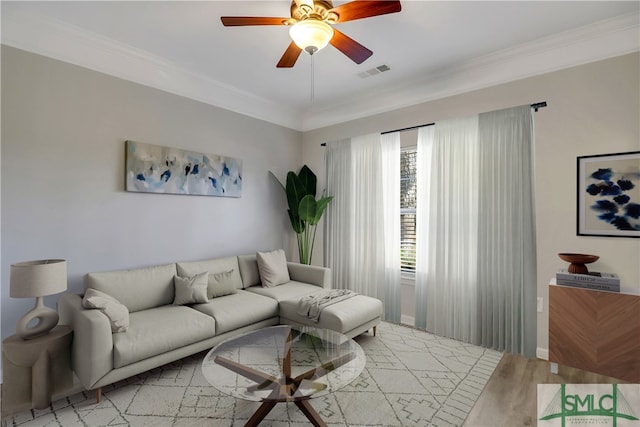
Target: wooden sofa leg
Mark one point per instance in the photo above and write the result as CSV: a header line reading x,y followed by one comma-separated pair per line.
x,y
98,394
374,330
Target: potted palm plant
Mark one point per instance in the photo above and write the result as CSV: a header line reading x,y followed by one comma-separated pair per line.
x,y
304,210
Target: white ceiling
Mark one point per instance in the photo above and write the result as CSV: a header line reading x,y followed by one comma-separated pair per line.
x,y
433,48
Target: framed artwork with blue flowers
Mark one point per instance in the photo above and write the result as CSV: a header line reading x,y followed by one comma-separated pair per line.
x,y
157,169
609,195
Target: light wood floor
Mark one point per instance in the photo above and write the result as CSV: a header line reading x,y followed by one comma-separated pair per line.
x,y
509,398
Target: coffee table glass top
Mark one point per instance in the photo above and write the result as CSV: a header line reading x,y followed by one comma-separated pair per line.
x,y
283,364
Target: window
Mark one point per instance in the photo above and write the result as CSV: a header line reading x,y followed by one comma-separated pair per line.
x,y
408,210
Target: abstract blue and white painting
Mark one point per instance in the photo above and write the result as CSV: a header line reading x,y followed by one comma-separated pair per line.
x,y
609,195
156,169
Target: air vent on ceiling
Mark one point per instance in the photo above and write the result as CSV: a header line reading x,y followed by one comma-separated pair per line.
x,y
374,71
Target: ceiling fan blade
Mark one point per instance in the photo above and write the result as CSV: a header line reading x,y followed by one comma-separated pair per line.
x,y
350,47
238,21
364,9
290,56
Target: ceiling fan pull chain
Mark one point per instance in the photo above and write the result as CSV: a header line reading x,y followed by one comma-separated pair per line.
x,y
312,80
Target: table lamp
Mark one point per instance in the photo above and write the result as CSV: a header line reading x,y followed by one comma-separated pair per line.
x,y
37,279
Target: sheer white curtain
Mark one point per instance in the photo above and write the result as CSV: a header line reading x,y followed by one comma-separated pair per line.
x,y
339,216
356,220
447,228
354,245
506,239
476,278
390,144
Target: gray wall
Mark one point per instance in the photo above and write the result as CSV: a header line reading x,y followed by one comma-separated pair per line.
x,y
63,133
593,109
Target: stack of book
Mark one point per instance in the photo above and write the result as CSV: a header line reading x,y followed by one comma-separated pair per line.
x,y
592,280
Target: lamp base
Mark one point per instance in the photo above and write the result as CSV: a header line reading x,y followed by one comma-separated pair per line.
x,y
46,318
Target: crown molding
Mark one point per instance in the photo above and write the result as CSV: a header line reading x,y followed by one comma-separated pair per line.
x,y
59,40
601,40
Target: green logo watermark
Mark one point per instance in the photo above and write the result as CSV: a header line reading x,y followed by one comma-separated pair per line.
x,y
589,404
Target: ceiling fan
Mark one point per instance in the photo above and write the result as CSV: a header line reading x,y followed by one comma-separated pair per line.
x,y
311,26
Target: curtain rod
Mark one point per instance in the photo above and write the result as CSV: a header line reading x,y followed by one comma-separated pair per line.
x,y
535,107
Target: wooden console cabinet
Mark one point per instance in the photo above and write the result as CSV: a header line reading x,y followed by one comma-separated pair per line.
x,y
595,331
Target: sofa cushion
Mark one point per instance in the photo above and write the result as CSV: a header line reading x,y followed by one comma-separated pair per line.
x,y
273,268
217,265
117,313
137,289
191,290
288,290
221,284
158,330
237,310
249,270
342,316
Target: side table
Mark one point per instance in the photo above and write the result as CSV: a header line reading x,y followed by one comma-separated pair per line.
x,y
35,369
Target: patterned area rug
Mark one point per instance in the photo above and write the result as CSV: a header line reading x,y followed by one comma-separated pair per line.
x,y
412,378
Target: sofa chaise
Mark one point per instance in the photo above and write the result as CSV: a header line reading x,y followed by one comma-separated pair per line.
x,y
160,331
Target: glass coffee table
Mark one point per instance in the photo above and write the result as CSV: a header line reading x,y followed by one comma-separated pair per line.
x,y
284,364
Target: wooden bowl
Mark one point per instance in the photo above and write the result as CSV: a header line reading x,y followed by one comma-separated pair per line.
x,y
578,261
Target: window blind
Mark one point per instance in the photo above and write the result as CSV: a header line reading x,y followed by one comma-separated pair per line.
x,y
408,210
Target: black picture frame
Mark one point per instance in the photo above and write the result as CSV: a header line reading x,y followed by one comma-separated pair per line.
x,y
608,195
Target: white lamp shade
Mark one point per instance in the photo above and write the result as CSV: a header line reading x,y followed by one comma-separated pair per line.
x,y
311,35
38,278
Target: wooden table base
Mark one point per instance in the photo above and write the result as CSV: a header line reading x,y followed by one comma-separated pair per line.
x,y
285,386
310,413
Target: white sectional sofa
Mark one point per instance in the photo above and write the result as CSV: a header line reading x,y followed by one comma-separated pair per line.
x,y
160,331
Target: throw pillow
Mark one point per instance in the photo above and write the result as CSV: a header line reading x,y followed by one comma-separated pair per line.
x,y
273,268
221,284
117,313
190,290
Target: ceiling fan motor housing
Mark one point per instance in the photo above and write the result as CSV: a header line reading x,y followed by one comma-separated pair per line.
x,y
320,11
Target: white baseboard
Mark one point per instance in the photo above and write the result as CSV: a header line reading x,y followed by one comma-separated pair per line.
x,y
542,353
407,320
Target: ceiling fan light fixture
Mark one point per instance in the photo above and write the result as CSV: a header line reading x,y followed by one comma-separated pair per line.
x,y
311,35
